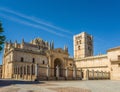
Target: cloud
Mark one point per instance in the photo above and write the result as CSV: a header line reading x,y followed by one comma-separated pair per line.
x,y
36,20
32,25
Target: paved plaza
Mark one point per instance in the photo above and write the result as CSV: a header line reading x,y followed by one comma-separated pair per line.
x,y
60,86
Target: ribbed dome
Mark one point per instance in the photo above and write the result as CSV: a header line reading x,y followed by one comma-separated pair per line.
x,y
37,41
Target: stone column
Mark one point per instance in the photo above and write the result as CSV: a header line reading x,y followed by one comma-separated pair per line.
x,y
3,70
81,74
50,65
105,74
108,75
36,71
26,73
57,72
97,74
23,72
87,74
47,72
74,73
49,61
17,71
66,73
20,71
93,74
31,72
101,74
12,75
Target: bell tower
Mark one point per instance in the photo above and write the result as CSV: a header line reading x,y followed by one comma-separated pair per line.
x,y
83,45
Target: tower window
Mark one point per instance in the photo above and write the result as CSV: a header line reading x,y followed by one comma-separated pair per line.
x,y
33,60
77,42
22,59
118,57
43,62
80,42
78,47
89,48
70,64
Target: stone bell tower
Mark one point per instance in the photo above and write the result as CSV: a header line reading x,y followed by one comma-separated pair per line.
x,y
83,45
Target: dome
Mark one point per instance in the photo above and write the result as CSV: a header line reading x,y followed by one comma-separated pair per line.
x,y
37,41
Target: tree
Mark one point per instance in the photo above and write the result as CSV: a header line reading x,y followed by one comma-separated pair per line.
x,y
2,37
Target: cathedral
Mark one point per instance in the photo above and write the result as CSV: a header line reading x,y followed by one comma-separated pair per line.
x,y
39,60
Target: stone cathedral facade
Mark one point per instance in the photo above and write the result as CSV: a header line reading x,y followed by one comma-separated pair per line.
x,y
39,60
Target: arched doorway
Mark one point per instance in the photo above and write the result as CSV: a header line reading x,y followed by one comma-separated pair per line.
x,y
58,62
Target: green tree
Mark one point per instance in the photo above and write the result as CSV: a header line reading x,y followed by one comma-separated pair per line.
x,y
2,37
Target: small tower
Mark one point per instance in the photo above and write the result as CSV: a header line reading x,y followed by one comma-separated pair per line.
x,y
83,45
52,44
15,44
22,44
23,41
65,48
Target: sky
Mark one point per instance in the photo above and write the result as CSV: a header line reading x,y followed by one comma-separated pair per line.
x,y
59,20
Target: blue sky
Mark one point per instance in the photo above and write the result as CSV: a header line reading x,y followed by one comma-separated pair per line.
x,y
59,20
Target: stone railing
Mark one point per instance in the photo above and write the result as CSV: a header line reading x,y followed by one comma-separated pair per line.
x,y
97,75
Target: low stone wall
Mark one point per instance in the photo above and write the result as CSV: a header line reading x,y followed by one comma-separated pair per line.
x,y
69,73
98,75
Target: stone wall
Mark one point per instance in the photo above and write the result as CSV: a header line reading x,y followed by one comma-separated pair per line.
x,y
93,63
0,71
28,57
114,58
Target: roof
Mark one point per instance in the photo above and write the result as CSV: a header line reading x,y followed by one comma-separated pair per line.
x,y
93,57
115,48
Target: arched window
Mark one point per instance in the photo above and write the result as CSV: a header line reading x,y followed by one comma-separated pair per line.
x,y
70,64
80,41
77,42
33,60
43,62
119,57
78,47
22,59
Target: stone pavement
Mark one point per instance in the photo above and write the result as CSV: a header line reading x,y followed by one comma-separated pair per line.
x,y
60,86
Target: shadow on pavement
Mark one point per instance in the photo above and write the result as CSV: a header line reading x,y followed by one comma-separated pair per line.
x,y
13,82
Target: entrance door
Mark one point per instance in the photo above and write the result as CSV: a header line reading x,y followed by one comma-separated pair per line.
x,y
58,63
